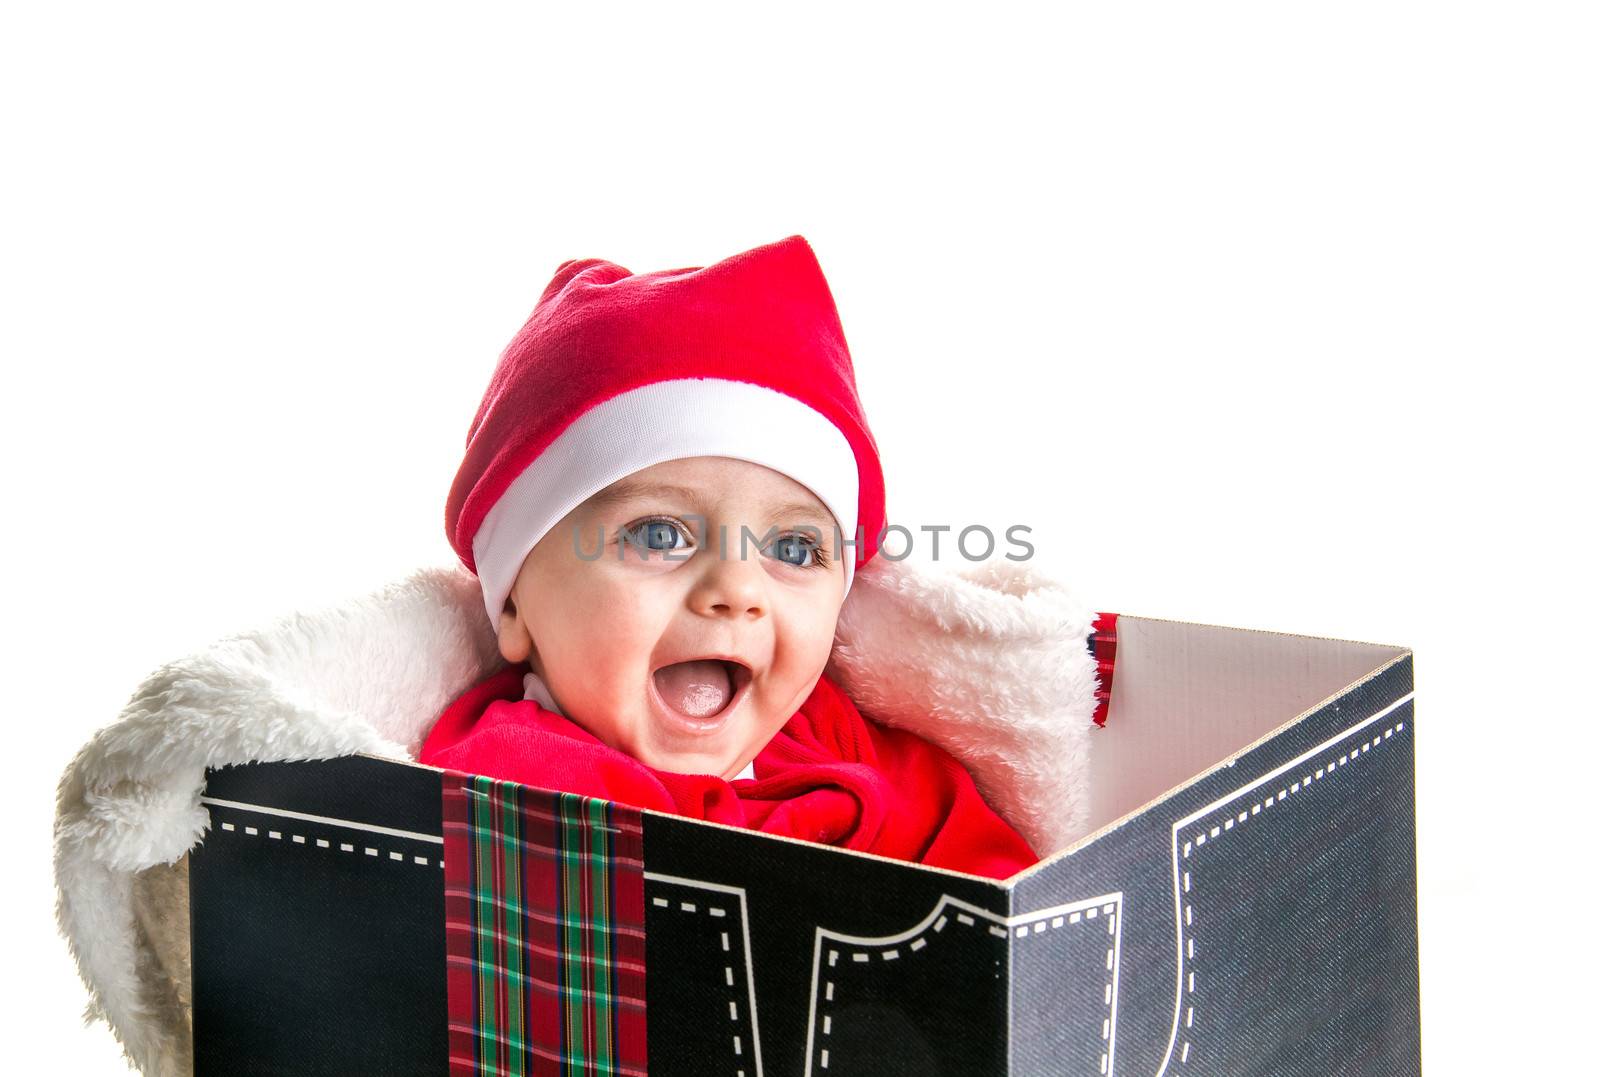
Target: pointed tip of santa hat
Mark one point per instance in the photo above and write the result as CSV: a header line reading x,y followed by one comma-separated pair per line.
x,y
615,371
791,256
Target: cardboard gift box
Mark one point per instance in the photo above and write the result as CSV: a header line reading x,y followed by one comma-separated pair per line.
x,y
1238,897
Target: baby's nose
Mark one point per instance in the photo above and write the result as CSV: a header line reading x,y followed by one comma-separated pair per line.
x,y
733,586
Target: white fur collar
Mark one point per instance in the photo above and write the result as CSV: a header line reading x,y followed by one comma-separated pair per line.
x,y
990,663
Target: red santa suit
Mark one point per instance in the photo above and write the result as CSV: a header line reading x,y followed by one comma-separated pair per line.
x,y
830,775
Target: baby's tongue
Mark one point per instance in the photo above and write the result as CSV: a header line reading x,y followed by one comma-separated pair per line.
x,y
698,689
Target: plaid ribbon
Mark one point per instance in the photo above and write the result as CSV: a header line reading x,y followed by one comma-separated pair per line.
x,y
544,932
1103,645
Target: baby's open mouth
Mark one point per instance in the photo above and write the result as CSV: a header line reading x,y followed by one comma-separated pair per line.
x,y
700,689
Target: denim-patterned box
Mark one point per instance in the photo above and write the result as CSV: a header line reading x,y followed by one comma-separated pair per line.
x,y
1245,905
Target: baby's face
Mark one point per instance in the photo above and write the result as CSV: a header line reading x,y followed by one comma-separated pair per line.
x,y
614,636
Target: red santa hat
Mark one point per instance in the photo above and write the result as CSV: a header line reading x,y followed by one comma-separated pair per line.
x,y
615,371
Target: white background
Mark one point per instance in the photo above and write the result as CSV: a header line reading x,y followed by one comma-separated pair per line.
x,y
1259,315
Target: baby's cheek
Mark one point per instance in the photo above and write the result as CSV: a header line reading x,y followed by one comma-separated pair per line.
x,y
771,719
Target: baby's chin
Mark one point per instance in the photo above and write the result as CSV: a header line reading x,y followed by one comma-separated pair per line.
x,y
661,747
721,764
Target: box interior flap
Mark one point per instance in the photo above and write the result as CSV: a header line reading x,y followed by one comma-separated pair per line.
x,y
1188,696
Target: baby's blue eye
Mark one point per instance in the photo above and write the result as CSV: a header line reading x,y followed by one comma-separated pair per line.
x,y
796,545
646,535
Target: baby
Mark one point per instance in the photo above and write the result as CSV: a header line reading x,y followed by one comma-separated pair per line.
x,y
667,491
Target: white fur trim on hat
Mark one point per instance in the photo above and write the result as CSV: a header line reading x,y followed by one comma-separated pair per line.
x,y
667,420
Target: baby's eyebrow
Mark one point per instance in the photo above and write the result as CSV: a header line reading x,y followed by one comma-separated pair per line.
x,y
631,490
626,490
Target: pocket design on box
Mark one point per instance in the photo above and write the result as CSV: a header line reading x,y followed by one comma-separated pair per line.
x,y
879,1004
1066,970
1264,901
704,947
